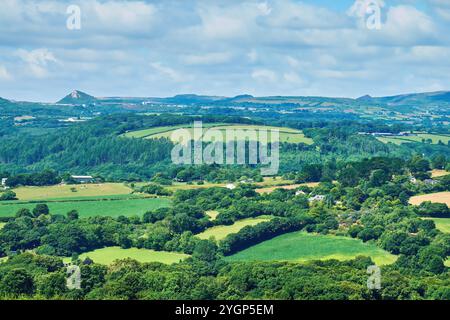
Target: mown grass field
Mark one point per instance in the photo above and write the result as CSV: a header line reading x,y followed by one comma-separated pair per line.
x,y
301,247
439,173
221,232
106,256
435,138
112,208
71,191
439,197
285,134
286,187
442,224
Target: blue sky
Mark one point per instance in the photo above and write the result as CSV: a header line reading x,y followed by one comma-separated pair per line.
x,y
223,47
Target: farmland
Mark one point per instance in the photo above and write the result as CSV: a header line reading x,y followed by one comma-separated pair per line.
x,y
90,208
419,137
108,255
439,173
301,247
221,232
442,224
286,134
71,191
439,197
286,187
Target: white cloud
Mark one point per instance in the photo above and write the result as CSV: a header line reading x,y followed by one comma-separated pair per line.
x,y
168,72
37,60
264,75
4,74
208,58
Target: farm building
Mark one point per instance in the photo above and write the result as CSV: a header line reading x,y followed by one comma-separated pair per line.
x,y
83,179
317,198
4,183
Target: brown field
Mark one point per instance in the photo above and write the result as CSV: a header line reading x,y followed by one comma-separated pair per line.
x,y
440,197
439,173
287,187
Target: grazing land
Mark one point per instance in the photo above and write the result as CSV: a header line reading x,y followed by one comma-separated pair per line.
x,y
286,187
286,134
442,224
112,208
439,197
71,191
301,247
106,256
221,232
420,137
439,173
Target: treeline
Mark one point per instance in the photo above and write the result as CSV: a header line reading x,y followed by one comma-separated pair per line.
x,y
249,236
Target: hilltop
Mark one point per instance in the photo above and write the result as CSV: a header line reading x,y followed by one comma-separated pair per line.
x,y
77,97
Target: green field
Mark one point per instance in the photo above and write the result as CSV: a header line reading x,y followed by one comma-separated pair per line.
x,y
435,138
71,191
442,224
2,224
301,247
159,130
221,232
108,255
286,134
112,208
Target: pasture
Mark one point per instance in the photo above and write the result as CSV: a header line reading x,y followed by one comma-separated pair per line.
x,y
439,173
419,137
442,224
71,191
285,134
286,187
108,255
221,232
90,208
439,197
302,247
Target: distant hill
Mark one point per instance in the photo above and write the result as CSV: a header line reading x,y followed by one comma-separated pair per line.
x,y
192,99
77,97
4,101
416,98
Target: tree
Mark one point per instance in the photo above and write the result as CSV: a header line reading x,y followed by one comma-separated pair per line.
x,y
8,195
16,282
73,215
41,209
52,285
24,212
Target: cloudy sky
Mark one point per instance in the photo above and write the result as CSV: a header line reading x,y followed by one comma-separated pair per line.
x,y
223,47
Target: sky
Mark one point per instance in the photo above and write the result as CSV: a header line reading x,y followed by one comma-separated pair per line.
x,y
160,48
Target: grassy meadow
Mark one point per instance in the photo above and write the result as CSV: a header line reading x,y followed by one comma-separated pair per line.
x,y
71,191
286,134
442,224
439,197
435,138
106,256
301,247
221,232
112,208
